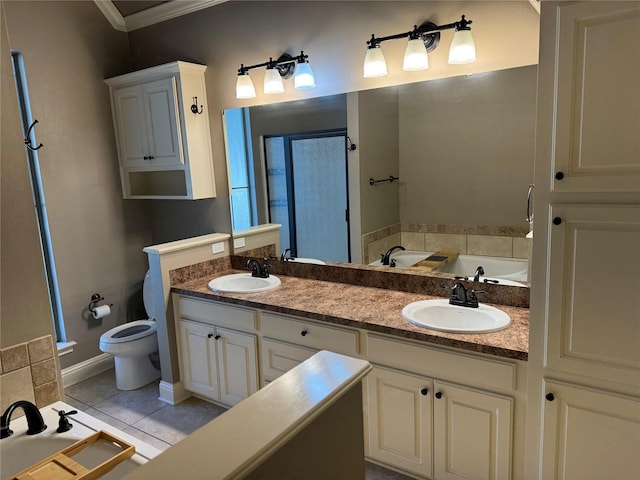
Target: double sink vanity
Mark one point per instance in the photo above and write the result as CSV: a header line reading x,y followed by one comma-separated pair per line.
x,y
436,404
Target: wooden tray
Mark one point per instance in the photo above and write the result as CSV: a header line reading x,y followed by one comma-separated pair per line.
x,y
435,260
60,465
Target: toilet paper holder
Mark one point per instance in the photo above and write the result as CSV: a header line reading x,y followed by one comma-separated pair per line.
x,y
93,304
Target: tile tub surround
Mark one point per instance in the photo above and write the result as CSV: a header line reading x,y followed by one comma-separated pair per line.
x,y
367,308
29,371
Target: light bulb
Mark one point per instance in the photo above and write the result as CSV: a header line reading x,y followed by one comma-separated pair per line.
x,y
244,87
415,56
303,77
273,81
374,63
463,48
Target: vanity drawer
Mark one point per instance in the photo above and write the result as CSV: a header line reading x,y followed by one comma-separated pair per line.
x,y
459,367
214,313
310,334
278,357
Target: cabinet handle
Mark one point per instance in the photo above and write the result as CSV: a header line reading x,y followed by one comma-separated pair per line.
x,y
550,397
146,158
217,337
559,175
438,395
557,220
304,333
424,391
209,335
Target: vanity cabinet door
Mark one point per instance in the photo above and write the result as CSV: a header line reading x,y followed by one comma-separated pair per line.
x,y
199,363
280,357
237,365
472,433
589,434
399,420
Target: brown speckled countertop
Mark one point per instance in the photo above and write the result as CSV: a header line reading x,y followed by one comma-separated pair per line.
x,y
367,308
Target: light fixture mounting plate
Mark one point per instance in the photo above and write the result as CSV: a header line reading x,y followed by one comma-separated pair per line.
x,y
286,69
430,39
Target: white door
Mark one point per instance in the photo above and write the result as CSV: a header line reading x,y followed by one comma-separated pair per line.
x,y
198,367
399,420
237,364
590,434
472,433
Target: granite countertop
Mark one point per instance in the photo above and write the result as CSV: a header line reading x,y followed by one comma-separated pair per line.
x,y
367,308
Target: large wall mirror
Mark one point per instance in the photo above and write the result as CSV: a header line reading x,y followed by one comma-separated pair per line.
x,y
441,165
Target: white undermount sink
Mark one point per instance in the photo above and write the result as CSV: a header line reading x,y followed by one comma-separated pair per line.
x,y
243,283
441,315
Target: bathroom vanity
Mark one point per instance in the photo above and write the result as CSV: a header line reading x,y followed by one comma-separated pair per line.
x,y
436,404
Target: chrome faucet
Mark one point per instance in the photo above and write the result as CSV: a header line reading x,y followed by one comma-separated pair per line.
x,y
386,257
258,270
479,271
34,419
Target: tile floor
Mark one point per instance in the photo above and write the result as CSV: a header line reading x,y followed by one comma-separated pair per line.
x,y
140,414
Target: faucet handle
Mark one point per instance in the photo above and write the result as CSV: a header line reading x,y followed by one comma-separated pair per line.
x,y
63,423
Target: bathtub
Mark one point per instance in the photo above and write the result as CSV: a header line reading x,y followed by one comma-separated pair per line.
x,y
20,450
501,270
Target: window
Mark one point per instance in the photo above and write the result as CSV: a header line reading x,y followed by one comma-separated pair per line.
x,y
38,196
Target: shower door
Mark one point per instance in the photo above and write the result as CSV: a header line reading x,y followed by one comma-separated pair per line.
x,y
307,193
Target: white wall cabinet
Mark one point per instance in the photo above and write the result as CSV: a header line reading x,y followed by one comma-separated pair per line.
x,y
436,429
586,246
164,148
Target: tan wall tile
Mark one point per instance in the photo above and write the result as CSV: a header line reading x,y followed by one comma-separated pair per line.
x,y
47,394
521,247
490,246
43,372
445,241
14,386
412,241
14,357
374,249
41,349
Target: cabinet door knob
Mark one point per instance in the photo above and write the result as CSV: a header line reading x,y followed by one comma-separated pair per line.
x,y
217,337
209,335
557,220
438,395
304,333
424,391
550,397
146,158
559,175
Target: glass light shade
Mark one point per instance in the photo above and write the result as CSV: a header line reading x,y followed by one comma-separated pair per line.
x,y
463,48
273,81
303,77
374,63
244,87
415,56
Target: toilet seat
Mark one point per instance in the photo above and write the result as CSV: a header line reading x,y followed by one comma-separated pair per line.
x,y
129,332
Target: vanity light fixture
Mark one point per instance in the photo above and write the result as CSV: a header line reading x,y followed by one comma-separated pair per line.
x,y
277,70
422,40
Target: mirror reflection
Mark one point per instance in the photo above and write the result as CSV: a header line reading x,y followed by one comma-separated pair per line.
x,y
431,167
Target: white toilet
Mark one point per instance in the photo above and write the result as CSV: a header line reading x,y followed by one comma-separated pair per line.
x,y
134,346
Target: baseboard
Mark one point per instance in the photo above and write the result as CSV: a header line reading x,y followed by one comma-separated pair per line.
x,y
172,393
87,369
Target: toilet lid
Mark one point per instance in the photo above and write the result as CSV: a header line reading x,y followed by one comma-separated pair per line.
x,y
129,331
147,296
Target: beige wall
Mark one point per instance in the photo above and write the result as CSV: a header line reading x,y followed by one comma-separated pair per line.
x,y
69,48
333,34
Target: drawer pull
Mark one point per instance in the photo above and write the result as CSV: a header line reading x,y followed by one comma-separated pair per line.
x,y
557,220
304,332
424,391
438,395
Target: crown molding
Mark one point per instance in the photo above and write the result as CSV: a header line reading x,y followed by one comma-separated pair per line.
x,y
151,16
535,4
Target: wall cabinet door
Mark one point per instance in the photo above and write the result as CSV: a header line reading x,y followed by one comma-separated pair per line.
x,y
237,365
131,126
595,255
597,114
590,434
199,362
472,433
399,420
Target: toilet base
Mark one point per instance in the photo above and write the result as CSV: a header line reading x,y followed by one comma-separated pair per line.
x,y
134,372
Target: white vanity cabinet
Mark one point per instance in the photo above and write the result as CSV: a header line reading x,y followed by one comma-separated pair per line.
x,y
435,428
218,349
288,341
164,148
